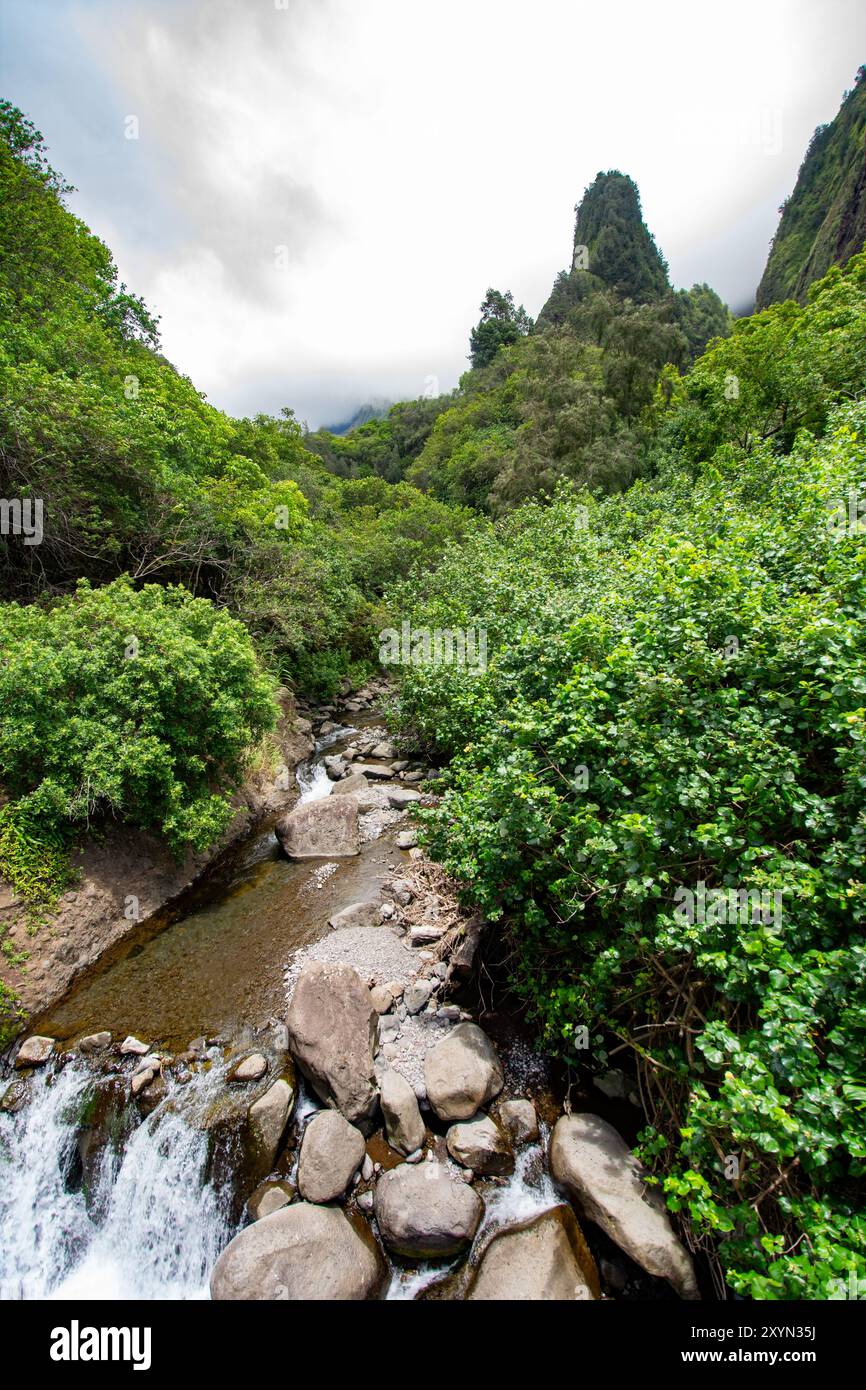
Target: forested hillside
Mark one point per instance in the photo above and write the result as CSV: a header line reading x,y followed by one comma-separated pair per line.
x,y
823,223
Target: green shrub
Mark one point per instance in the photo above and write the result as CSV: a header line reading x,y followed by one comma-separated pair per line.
x,y
136,705
676,695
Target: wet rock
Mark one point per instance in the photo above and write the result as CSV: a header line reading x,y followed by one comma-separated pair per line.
x,y
94,1042
545,1259
302,1253
324,829
266,1124
269,1197
15,1097
335,766
373,770
595,1167
251,1068
480,1144
404,1127
362,914
462,1073
332,1150
417,995
34,1051
519,1120
131,1047
406,839
425,1214
333,1031
142,1080
153,1095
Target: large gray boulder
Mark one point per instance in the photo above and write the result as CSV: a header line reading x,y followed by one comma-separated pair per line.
x,y
323,829
424,1213
598,1171
331,1151
404,1127
266,1124
542,1260
462,1073
480,1144
333,1030
302,1252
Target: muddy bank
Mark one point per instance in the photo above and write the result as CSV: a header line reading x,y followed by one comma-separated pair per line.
x,y
129,881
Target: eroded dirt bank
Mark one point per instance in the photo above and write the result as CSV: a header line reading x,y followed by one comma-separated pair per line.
x,y
130,878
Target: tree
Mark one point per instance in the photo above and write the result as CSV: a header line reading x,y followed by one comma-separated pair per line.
x,y
500,324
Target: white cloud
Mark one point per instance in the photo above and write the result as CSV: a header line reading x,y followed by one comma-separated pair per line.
x,y
407,155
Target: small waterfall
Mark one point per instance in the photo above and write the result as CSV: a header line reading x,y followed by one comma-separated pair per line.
x,y
149,1224
312,775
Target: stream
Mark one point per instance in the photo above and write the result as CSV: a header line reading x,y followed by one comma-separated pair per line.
x,y
139,1215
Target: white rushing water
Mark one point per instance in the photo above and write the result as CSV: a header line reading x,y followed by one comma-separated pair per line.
x,y
312,775
153,1226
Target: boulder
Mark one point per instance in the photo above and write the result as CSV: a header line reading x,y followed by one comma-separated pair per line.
x,y
480,1144
382,998
303,1253
132,1047
406,839
423,1213
382,750
323,829
417,995
266,1124
462,1073
598,1171
519,1120
404,1127
251,1068
363,914
353,785
373,770
402,797
94,1042
542,1260
269,1197
332,1150
425,934
34,1051
333,1032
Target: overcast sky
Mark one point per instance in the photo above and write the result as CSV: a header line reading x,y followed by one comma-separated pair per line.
x,y
322,190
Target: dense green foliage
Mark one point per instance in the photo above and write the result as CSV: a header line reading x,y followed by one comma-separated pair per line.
x,y
140,476
823,222
568,399
676,696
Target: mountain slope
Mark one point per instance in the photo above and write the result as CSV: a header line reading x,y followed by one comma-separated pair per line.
x,y
823,222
